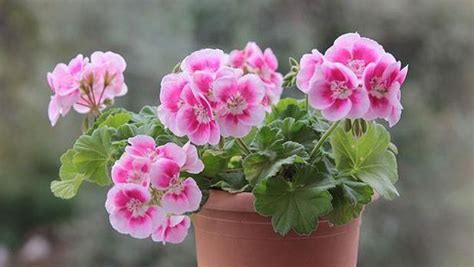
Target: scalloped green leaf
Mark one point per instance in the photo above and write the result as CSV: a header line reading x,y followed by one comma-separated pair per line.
x,y
93,155
367,158
265,164
293,205
70,177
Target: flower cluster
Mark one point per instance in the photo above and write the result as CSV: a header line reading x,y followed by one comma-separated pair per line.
x,y
213,96
355,78
149,197
252,60
86,85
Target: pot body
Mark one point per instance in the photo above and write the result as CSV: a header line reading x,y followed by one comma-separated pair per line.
x,y
229,233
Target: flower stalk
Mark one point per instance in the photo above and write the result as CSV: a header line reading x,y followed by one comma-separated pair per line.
x,y
323,138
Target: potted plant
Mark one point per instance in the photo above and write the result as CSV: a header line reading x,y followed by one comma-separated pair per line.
x,y
266,182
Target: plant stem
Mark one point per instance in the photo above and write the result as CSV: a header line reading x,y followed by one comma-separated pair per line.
x,y
243,146
323,138
306,103
221,143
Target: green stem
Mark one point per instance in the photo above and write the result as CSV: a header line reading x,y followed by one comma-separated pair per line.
x,y
323,138
306,103
221,143
243,146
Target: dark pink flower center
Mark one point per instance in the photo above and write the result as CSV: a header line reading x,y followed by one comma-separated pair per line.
x,y
136,207
236,104
378,88
201,114
357,66
340,90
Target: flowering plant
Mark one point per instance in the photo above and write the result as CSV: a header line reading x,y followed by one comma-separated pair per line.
x,y
221,125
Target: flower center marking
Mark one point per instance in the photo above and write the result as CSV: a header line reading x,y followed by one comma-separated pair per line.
x,y
357,66
236,104
201,114
340,90
136,207
378,88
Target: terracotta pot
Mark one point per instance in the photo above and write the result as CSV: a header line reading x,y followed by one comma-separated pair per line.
x,y
229,233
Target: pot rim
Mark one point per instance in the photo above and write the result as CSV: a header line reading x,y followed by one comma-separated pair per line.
x,y
225,201
238,202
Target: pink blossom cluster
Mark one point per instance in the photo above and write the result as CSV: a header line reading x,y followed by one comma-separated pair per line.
x,y
213,96
149,196
86,85
355,78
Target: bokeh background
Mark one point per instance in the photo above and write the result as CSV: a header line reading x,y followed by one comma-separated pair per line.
x,y
431,224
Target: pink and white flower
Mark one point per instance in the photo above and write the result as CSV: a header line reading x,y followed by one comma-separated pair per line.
x,y
164,174
182,197
65,82
103,81
192,164
309,64
142,146
129,169
264,64
354,52
241,107
196,119
383,80
204,67
86,86
130,211
171,229
172,86
336,92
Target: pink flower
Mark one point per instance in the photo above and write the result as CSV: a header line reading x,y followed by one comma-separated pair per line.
x,y
173,152
172,86
238,58
86,86
308,67
336,93
241,107
264,64
131,170
142,146
164,173
192,164
182,197
103,81
383,80
196,119
211,60
171,228
354,52
65,81
204,67
129,210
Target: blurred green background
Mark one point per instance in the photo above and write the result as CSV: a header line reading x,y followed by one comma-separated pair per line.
x,y
431,224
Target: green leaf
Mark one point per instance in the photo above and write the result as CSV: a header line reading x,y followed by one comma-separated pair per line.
x,y
70,177
293,205
367,158
99,122
93,154
231,182
214,162
356,192
287,108
65,189
265,164
298,131
267,138
343,210
116,120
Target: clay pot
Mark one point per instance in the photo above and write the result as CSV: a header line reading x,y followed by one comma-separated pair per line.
x,y
229,233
